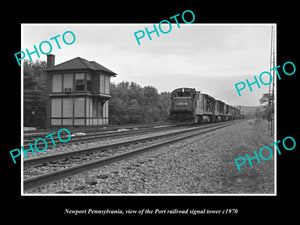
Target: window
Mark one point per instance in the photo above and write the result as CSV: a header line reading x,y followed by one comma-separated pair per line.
x,y
88,108
102,84
107,83
79,122
88,82
105,109
79,82
68,122
57,83
183,94
68,82
56,107
79,85
79,107
55,121
97,108
67,107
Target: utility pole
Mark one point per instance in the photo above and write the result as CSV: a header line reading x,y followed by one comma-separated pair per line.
x,y
271,109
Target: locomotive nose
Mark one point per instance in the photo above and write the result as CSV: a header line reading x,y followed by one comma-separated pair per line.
x,y
182,104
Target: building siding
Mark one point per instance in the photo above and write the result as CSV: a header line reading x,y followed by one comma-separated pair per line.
x,y
78,97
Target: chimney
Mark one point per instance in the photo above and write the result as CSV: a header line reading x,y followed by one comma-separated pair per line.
x,y
50,61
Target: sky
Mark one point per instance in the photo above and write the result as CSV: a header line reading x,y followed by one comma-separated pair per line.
x,y
211,58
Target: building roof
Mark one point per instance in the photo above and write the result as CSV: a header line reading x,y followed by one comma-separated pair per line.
x,y
80,63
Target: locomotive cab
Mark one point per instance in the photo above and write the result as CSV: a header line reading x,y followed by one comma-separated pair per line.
x,y
182,104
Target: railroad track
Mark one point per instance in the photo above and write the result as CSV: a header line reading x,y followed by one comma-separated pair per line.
x,y
46,178
43,133
101,135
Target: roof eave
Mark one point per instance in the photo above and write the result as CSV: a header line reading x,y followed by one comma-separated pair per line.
x,y
81,69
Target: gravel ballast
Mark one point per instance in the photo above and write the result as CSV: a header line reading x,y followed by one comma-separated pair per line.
x,y
71,147
200,165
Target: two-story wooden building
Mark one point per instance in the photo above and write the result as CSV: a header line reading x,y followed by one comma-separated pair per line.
x,y
78,92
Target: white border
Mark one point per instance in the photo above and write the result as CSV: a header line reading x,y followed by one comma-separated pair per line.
x,y
22,114
204,24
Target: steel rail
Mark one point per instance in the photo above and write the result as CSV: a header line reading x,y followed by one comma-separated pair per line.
x,y
45,159
109,128
47,178
101,135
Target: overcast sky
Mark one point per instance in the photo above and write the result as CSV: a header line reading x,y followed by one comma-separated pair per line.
x,y
208,57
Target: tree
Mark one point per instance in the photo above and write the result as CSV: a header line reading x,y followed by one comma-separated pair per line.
x,y
151,96
136,92
35,97
33,79
116,106
265,98
134,111
131,103
267,109
164,104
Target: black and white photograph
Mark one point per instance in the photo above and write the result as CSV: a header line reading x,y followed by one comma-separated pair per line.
x,y
140,110
110,111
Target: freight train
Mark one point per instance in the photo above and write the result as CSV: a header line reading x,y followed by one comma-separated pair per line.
x,y
191,106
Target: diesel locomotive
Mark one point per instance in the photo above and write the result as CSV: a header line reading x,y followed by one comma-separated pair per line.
x,y
191,106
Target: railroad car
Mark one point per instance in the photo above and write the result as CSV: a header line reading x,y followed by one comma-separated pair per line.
x,y
191,106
